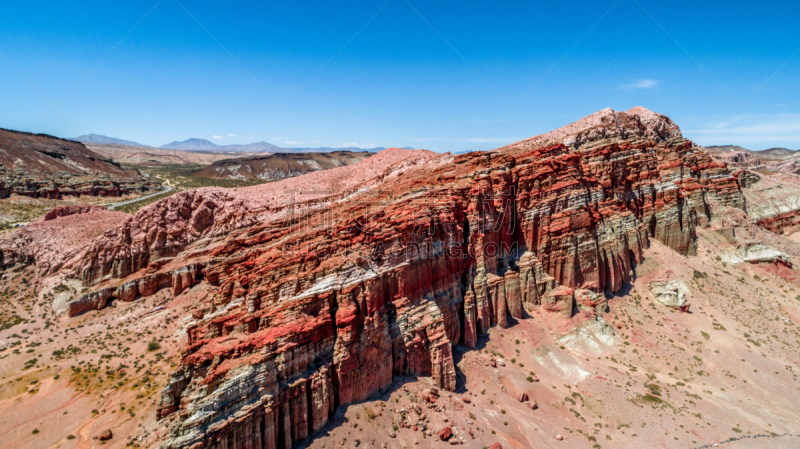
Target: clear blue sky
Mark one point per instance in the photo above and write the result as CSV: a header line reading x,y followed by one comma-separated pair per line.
x,y
443,77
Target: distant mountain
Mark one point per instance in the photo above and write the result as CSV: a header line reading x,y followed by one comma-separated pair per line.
x,y
776,152
192,145
727,149
99,138
331,149
256,147
195,144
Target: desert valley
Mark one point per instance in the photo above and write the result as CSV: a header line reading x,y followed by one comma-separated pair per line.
x,y
608,284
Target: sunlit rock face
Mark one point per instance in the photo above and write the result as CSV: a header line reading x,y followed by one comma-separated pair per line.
x,y
327,308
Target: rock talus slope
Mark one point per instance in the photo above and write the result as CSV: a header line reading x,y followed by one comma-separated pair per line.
x,y
321,306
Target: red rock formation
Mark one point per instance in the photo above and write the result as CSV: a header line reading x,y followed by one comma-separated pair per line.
x,y
784,223
161,230
168,226
59,235
326,310
65,211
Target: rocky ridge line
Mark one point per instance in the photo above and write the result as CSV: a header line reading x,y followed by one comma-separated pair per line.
x,y
310,316
42,166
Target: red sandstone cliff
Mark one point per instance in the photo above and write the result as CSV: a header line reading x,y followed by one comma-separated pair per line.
x,y
325,307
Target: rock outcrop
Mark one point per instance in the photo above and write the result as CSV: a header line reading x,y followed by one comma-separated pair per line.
x,y
62,233
282,165
774,202
324,310
161,230
42,166
757,252
671,294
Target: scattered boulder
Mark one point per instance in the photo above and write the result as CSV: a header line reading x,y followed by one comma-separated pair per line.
x,y
671,294
446,433
430,396
496,446
533,405
561,437
106,435
522,397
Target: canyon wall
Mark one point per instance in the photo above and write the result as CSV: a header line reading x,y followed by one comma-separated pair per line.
x,y
324,312
393,262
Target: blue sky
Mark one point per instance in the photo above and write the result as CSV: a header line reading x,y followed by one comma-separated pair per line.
x,y
447,76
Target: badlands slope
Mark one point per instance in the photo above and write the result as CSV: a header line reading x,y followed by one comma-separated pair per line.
x,y
279,166
598,286
42,166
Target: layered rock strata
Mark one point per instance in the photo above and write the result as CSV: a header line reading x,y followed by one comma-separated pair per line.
x,y
42,166
282,165
328,309
392,293
757,252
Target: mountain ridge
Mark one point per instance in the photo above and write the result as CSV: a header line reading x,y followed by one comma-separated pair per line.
x,y
101,139
44,166
198,144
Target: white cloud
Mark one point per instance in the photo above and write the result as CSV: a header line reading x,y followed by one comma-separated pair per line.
x,y
278,138
291,142
642,84
759,131
216,137
231,135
